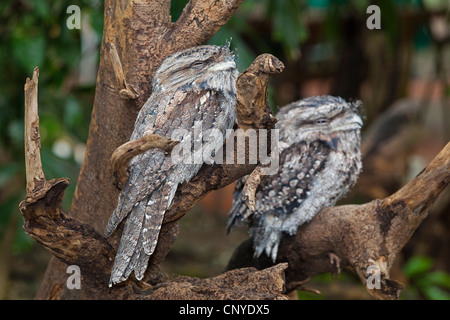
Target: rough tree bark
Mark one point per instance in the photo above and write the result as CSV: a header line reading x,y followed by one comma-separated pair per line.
x,y
137,36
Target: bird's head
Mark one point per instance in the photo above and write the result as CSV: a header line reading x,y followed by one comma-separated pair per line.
x,y
198,68
324,118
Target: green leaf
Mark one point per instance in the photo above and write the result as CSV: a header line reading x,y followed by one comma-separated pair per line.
x,y
10,205
97,22
16,132
41,8
51,128
176,8
417,265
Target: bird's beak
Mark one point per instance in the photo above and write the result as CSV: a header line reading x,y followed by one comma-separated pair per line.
x,y
356,120
351,122
223,66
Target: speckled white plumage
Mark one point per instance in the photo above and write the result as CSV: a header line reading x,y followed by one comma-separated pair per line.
x,y
320,161
196,85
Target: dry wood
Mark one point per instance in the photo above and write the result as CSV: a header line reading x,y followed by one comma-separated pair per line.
x,y
126,91
34,173
123,154
250,186
253,110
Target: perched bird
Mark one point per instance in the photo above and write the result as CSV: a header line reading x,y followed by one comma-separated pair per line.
x,y
194,89
319,162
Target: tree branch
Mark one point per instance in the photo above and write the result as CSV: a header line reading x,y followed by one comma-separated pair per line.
x,y
242,284
201,19
34,173
366,237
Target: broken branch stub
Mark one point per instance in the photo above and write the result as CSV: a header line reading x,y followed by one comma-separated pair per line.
x,y
34,173
123,154
252,107
126,91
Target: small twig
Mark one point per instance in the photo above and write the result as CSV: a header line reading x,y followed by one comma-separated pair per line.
x,y
335,260
123,154
250,186
126,92
35,174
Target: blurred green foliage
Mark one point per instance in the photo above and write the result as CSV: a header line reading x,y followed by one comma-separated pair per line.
x,y
423,281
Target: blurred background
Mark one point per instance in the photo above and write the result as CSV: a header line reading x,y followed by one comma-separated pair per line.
x,y
401,72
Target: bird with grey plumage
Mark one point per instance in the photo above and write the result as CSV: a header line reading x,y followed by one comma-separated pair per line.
x,y
320,160
196,85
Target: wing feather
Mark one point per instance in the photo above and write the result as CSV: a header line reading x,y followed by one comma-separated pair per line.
x,y
280,195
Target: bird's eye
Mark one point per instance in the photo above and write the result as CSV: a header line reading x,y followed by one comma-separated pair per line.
x,y
322,121
197,64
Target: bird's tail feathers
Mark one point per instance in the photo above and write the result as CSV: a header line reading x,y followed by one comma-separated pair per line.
x,y
140,236
238,213
266,238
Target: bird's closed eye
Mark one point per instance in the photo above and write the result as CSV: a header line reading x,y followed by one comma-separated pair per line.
x,y
197,64
322,121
